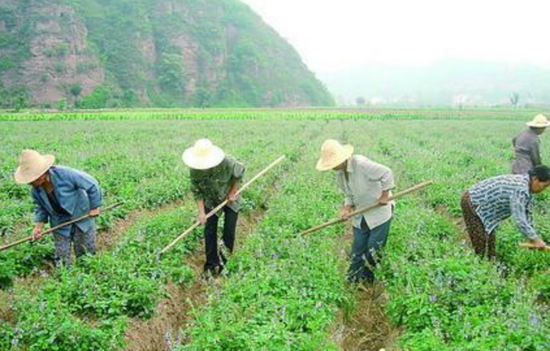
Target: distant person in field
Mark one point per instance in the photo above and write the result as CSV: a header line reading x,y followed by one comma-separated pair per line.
x,y
215,178
488,203
527,146
364,183
61,194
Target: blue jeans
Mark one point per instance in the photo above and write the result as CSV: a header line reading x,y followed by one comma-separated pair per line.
x,y
365,250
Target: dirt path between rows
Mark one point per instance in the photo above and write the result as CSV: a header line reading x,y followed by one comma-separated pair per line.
x,y
174,312
368,327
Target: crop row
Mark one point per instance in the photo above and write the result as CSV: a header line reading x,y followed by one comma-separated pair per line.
x,y
484,151
279,114
89,304
283,291
448,299
444,296
139,163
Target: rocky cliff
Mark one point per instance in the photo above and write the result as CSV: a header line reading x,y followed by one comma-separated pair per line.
x,y
133,53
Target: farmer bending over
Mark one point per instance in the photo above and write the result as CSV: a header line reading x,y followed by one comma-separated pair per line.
x,y
488,203
61,194
214,179
364,183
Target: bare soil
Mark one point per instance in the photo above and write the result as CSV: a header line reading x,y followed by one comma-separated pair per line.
x,y
367,327
175,312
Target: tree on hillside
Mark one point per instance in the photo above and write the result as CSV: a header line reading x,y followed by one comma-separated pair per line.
x,y
20,103
171,73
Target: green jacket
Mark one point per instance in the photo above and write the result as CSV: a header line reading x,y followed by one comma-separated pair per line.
x,y
212,185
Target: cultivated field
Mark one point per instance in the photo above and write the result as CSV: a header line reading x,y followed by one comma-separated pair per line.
x,y
281,291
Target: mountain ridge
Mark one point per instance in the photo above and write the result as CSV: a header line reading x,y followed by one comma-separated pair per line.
x,y
147,53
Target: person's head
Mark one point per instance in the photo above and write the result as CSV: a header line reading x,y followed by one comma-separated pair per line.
x,y
334,155
538,124
203,155
40,181
342,166
539,131
539,178
33,168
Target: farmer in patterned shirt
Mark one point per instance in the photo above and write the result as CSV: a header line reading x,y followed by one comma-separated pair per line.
x,y
215,178
488,203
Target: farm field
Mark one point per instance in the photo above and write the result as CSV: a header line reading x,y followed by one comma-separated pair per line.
x,y
281,291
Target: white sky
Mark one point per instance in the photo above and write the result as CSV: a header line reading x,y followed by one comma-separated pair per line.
x,y
335,34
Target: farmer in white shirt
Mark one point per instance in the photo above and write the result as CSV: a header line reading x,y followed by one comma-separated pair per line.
x,y
364,183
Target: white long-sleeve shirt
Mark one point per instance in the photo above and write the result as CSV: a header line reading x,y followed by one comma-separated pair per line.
x,y
366,181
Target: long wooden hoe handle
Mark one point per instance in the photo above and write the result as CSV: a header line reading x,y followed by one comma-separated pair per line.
x,y
52,229
220,206
531,246
368,208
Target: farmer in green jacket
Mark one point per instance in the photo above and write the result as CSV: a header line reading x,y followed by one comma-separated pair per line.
x,y
364,183
215,178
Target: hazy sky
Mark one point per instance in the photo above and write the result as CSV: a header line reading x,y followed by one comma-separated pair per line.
x,y
335,34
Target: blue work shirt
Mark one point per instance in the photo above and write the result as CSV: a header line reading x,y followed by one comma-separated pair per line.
x,y
76,192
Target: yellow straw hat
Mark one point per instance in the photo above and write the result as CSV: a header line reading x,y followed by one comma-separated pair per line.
x,y
332,154
32,165
539,121
203,155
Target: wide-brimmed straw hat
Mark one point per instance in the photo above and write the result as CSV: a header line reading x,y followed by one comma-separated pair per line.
x,y
333,154
32,165
539,121
203,155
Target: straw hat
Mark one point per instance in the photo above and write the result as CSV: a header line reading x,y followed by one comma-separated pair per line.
x,y
32,165
539,121
203,155
332,154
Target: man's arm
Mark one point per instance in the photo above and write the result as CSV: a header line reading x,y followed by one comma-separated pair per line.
x,y
232,194
519,214
41,217
535,154
202,214
237,174
91,186
384,175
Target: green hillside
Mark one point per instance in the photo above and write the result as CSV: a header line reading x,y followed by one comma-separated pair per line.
x,y
134,53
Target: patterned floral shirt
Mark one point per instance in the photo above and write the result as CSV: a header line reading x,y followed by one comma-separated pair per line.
x,y
495,199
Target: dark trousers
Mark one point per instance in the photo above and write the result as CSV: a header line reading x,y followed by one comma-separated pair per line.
x,y
214,258
483,242
83,243
365,250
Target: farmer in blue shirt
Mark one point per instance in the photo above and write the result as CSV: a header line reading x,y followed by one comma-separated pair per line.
x,y
61,194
